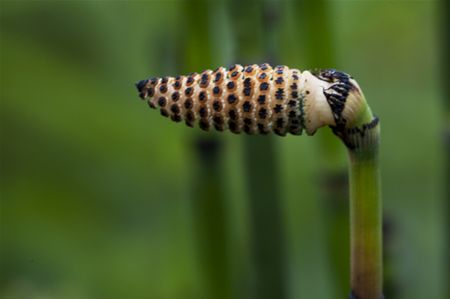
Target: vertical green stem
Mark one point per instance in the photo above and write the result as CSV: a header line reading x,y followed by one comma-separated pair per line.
x,y
365,215
210,213
445,73
315,22
208,199
255,24
267,239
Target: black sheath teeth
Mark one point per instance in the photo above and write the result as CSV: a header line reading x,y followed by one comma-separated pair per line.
x,y
340,90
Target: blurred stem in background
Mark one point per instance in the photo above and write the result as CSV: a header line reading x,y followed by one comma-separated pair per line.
x,y
210,219
266,232
318,46
445,75
208,200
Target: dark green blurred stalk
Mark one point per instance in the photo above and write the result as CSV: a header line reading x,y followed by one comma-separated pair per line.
x,y
266,234
209,213
445,33
208,201
317,44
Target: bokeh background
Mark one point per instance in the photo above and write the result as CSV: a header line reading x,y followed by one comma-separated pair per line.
x,y
103,198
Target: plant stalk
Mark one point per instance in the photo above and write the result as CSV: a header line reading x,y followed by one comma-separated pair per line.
x,y
365,208
207,199
315,21
255,20
365,223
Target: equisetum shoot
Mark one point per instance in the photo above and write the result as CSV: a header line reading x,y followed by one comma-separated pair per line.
x,y
260,99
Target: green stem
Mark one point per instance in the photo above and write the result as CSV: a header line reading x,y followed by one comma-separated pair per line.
x,y
315,23
267,237
444,27
365,223
208,199
256,19
210,219
365,208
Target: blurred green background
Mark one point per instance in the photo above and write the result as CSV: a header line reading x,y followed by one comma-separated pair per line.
x,y
103,198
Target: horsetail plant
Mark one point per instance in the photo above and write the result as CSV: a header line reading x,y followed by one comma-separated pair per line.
x,y
261,99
